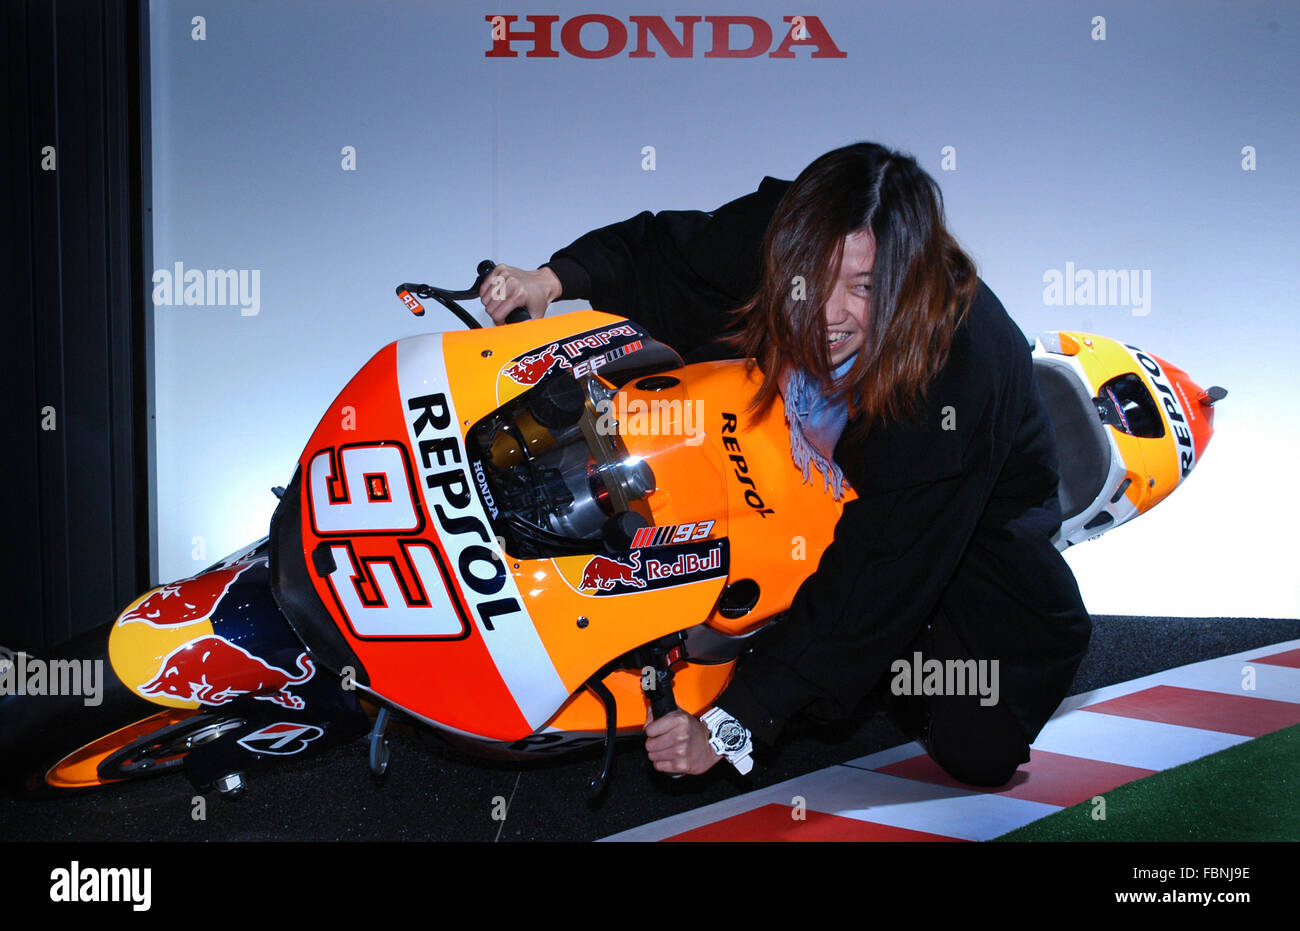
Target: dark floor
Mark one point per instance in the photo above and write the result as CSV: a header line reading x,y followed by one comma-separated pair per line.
x,y
435,793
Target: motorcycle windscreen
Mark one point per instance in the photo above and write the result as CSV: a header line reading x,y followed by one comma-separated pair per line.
x,y
576,466
417,516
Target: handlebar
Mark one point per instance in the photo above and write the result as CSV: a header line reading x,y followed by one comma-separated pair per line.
x,y
409,292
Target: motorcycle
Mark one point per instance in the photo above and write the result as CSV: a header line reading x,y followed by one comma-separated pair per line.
x,y
518,537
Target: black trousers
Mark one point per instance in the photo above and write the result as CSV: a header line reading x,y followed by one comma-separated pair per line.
x,y
977,744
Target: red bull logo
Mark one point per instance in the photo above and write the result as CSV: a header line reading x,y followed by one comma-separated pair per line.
x,y
530,369
186,601
604,573
214,671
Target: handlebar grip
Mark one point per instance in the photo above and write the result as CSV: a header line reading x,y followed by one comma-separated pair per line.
x,y
518,315
662,702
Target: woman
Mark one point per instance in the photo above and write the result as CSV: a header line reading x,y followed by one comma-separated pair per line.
x,y
902,374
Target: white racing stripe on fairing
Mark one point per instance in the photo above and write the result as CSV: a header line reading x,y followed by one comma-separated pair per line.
x,y
513,642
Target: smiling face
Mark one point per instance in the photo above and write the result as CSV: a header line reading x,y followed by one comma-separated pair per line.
x,y
848,311
892,300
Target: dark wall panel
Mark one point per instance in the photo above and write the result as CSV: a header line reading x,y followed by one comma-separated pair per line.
x,y
78,546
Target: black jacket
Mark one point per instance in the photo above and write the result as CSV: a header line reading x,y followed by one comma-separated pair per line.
x,y
957,519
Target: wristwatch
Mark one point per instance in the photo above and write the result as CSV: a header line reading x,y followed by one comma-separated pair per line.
x,y
729,738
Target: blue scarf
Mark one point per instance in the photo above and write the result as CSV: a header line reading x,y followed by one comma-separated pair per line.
x,y
816,422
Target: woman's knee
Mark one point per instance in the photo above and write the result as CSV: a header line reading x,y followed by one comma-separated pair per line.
x,y
980,748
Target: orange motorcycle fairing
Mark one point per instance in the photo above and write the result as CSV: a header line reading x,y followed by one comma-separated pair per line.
x,y
472,612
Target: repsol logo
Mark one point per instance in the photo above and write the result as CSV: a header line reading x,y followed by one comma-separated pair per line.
x,y
599,35
752,497
1174,410
462,527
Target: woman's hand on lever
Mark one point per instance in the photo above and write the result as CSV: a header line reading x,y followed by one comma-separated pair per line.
x,y
508,287
678,743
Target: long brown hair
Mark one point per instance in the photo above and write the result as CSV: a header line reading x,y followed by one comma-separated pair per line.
x,y
921,285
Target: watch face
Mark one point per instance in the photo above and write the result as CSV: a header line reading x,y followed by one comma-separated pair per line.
x,y
732,735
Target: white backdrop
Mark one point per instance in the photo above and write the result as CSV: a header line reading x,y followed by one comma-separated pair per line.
x,y
337,147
